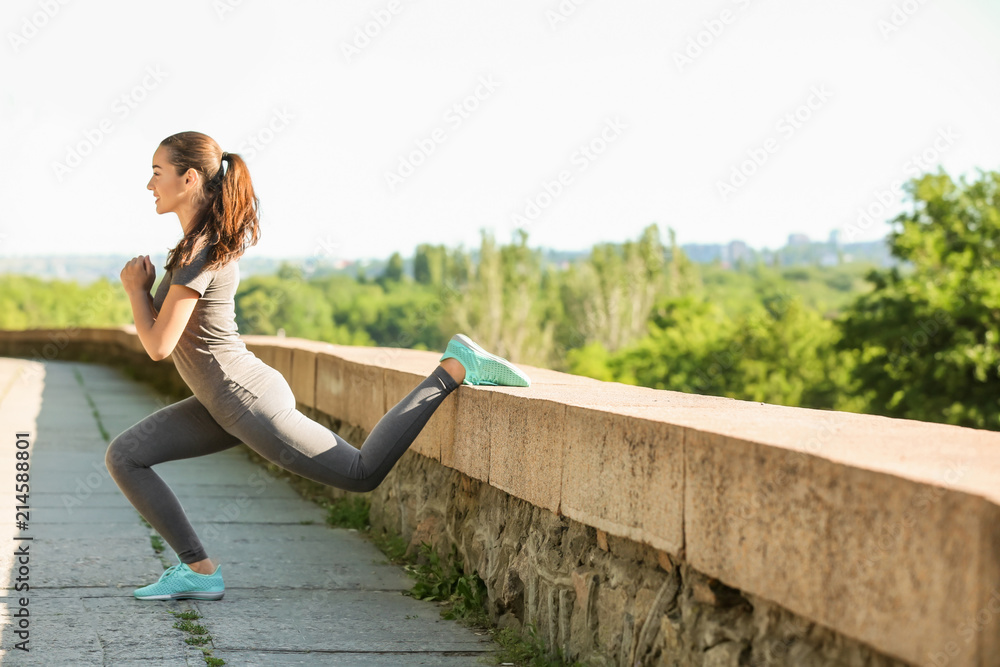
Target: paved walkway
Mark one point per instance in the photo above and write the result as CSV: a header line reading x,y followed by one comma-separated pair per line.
x,y
296,593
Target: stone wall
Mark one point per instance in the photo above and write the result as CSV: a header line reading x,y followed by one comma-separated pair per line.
x,y
636,527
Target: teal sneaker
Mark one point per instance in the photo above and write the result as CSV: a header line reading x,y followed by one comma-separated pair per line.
x,y
180,581
481,367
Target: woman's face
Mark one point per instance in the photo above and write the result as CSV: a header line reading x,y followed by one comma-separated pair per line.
x,y
171,191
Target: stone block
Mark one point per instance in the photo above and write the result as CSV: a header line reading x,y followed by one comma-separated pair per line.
x,y
527,439
986,626
304,374
881,558
262,347
281,359
350,391
469,452
624,475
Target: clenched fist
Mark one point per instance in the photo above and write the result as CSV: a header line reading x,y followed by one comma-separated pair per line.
x,y
138,274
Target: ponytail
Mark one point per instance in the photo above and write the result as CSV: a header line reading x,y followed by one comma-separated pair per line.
x,y
227,217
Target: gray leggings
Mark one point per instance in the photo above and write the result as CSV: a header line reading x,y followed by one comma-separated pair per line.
x,y
275,429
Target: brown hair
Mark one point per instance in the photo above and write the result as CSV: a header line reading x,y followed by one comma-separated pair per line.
x,y
227,217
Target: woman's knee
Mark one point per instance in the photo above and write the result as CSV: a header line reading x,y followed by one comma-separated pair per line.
x,y
118,455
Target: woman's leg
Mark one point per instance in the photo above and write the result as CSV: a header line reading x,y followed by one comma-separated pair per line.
x,y
279,432
179,431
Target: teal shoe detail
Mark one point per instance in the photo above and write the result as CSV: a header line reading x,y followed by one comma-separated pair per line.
x,y
481,367
179,581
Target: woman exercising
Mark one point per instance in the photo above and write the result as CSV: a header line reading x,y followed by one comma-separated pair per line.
x,y
237,397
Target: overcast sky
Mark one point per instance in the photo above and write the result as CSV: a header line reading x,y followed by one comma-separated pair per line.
x,y
373,126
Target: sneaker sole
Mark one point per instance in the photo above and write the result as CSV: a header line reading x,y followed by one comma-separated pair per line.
x,y
194,595
466,341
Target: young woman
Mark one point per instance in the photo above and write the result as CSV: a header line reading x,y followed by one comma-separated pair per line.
x,y
237,398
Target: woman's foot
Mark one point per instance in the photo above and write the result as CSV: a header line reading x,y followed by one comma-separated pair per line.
x,y
202,566
481,367
181,582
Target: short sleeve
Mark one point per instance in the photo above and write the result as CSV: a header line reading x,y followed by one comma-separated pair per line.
x,y
194,275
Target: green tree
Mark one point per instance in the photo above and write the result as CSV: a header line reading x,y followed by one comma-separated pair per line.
x,y
27,302
927,340
268,305
393,272
609,297
503,305
430,264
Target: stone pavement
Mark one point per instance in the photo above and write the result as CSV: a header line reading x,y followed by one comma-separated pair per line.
x,y
297,591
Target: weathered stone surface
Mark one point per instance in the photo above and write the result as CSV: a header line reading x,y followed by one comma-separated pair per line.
x,y
354,392
634,472
470,451
262,346
304,370
526,447
852,545
282,362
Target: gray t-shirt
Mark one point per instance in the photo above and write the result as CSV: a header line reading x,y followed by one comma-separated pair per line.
x,y
210,356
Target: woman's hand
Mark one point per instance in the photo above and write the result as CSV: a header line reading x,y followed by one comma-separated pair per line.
x,y
138,274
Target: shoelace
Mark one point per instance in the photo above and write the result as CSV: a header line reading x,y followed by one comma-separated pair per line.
x,y
172,570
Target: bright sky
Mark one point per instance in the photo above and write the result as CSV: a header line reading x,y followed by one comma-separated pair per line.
x,y
584,120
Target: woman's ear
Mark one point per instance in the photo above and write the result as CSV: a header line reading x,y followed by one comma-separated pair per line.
x,y
191,177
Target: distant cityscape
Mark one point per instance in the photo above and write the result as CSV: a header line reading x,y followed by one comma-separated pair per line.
x,y
799,250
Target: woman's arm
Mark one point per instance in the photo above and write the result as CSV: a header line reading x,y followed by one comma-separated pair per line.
x,y
152,307
158,331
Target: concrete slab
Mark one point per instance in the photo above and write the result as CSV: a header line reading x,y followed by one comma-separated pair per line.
x,y
335,620
337,659
264,559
